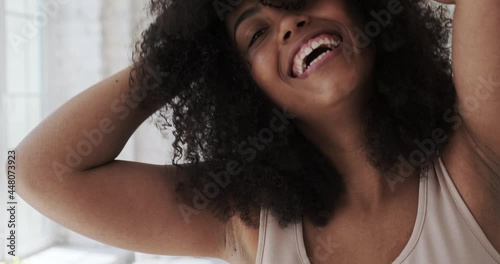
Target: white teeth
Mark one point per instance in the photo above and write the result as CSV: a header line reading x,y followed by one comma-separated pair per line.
x,y
299,62
300,70
318,58
308,51
315,44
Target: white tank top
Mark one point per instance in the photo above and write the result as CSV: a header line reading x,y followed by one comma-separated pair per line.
x,y
445,231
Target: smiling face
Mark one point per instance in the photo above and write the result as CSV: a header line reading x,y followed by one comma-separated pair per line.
x,y
306,60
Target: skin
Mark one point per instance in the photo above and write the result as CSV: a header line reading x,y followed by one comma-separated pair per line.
x,y
327,100
131,204
329,105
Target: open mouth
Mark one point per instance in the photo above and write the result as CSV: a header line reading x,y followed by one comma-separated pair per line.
x,y
313,51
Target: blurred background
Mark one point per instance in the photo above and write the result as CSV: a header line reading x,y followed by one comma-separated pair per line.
x,y
51,50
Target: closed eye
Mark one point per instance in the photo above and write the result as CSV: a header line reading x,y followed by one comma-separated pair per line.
x,y
257,35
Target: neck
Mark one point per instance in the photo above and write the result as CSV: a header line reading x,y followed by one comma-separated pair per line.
x,y
339,135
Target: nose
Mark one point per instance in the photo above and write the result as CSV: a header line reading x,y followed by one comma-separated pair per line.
x,y
291,24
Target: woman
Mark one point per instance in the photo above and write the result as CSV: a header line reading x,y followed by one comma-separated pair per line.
x,y
324,131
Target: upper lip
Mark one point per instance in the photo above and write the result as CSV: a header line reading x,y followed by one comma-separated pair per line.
x,y
303,40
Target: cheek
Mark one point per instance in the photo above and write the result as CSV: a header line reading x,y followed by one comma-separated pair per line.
x,y
265,70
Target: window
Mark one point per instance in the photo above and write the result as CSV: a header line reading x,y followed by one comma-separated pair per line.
x,y
47,55
22,99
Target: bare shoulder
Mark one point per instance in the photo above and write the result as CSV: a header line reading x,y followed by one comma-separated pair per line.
x,y
475,173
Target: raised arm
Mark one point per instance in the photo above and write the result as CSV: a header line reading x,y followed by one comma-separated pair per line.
x,y
476,66
66,169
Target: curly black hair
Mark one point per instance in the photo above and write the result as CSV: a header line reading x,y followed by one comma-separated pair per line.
x,y
222,118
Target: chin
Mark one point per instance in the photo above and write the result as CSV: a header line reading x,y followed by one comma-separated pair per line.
x,y
333,85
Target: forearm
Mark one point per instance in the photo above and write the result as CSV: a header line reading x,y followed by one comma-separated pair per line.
x,y
89,130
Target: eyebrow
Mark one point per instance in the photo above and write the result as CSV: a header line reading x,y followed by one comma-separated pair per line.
x,y
245,15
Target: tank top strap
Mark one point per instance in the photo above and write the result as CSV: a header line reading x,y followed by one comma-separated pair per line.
x,y
445,230
462,210
450,233
277,245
